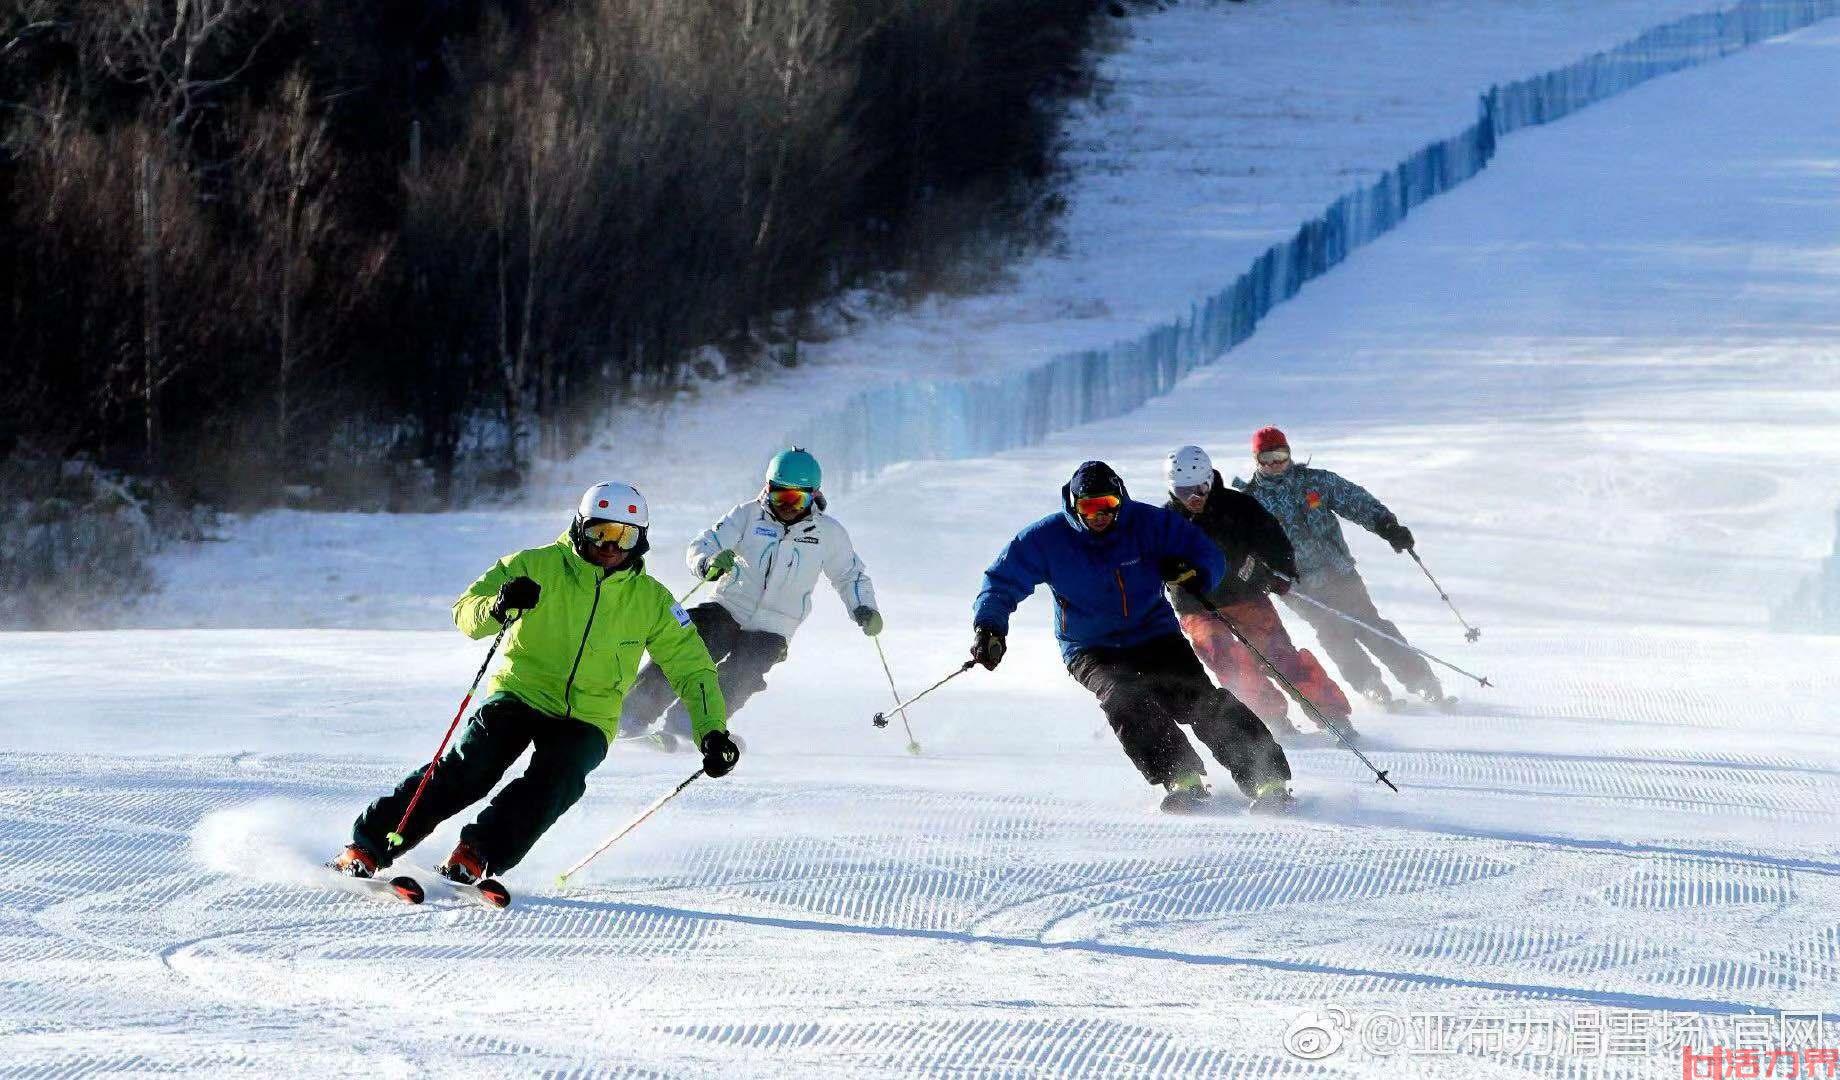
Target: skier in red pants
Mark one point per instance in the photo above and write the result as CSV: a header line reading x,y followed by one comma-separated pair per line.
x,y
1254,545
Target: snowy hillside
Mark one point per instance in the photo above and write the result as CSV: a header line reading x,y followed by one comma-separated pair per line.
x,y
1601,382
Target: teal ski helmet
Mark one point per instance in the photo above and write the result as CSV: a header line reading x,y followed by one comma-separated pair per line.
x,y
794,468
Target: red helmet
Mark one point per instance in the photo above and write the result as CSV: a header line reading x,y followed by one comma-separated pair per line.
x,y
1269,438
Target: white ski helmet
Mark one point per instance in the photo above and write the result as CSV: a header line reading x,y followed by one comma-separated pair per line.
x,y
614,501
1187,466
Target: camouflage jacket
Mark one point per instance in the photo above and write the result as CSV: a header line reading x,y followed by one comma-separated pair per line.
x,y
1306,502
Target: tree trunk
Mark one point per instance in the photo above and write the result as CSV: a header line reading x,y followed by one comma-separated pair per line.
x,y
150,306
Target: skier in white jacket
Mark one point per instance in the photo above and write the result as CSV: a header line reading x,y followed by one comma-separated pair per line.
x,y
767,555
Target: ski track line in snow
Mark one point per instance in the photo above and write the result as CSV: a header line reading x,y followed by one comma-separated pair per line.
x,y
1607,998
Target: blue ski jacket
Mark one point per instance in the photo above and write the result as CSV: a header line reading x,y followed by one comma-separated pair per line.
x,y
1108,587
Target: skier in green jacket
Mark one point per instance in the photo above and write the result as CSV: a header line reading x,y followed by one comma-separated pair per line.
x,y
581,612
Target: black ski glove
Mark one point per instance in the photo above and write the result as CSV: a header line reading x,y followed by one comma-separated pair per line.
x,y
719,754
1183,575
989,648
518,594
869,619
1395,534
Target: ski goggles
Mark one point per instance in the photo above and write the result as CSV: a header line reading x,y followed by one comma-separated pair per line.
x,y
1185,492
1097,504
620,534
1273,457
788,498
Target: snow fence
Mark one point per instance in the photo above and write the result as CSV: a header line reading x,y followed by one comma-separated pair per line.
x,y
946,419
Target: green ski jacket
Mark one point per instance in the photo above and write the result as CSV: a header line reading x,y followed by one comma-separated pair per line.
x,y
577,652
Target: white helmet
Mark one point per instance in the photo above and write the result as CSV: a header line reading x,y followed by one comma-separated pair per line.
x,y
1187,466
613,501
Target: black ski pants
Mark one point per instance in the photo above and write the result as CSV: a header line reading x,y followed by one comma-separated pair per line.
x,y
567,750
1148,690
743,658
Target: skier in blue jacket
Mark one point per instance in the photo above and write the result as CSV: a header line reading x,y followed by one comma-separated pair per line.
x,y
1106,559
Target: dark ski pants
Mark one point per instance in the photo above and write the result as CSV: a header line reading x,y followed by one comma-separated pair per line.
x,y
742,658
567,750
1344,641
1148,690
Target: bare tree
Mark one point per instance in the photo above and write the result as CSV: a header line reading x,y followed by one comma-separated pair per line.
x,y
181,54
288,175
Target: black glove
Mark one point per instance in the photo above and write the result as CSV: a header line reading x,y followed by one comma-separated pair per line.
x,y
1183,575
1395,534
989,648
869,619
719,754
518,594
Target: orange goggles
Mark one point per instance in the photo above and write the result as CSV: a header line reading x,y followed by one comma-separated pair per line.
x,y
787,498
1098,504
618,533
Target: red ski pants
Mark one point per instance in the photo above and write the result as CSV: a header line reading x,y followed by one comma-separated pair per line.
x,y
1241,673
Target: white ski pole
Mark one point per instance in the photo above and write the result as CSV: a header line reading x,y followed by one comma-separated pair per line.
x,y
912,746
562,879
1345,617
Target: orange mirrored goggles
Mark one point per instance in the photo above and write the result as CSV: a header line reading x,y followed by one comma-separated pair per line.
x,y
789,498
1098,504
618,533
1272,457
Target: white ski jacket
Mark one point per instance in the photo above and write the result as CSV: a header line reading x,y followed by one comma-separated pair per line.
x,y
776,566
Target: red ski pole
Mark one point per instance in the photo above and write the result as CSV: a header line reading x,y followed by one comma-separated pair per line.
x,y
396,836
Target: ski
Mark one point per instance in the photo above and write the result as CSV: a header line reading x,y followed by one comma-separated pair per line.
x,y
1404,707
402,887
1277,805
488,891
1216,806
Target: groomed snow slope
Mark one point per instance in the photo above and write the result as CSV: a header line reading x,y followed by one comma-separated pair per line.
x,y
1601,383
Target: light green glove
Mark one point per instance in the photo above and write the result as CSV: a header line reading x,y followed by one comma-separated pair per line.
x,y
869,619
720,563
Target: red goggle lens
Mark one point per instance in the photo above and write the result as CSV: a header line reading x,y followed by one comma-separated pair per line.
x,y
1098,504
789,498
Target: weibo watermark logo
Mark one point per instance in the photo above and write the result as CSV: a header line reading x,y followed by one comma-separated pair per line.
x,y
1315,1035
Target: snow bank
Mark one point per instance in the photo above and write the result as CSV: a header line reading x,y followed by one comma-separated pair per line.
x,y
1815,606
954,419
